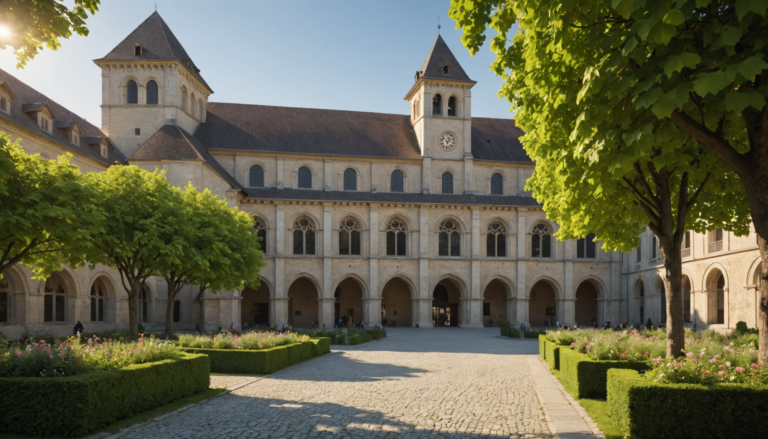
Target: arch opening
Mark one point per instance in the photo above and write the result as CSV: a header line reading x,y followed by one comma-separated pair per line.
x,y
586,304
495,303
446,298
716,297
542,305
254,308
302,303
396,309
348,303
639,300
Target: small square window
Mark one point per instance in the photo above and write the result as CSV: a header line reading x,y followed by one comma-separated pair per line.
x,y
297,313
103,150
137,131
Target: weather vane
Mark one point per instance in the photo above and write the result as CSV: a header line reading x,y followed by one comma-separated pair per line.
x,y
438,25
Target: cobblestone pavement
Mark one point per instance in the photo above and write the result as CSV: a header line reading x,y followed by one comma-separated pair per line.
x,y
447,383
229,381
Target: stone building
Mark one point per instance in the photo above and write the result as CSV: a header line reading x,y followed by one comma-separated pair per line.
x,y
413,220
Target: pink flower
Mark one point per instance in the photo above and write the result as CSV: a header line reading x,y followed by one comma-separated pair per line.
x,y
728,363
122,354
18,354
131,351
706,372
689,354
109,339
682,350
42,342
721,373
90,341
754,366
755,377
761,362
739,369
573,344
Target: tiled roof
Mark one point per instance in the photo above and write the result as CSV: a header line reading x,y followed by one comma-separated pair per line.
x,y
29,99
158,43
171,142
498,140
440,57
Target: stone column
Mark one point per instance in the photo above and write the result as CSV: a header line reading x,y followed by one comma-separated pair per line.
x,y
422,305
372,304
475,304
279,173
468,173
278,301
426,175
325,297
569,293
327,175
522,290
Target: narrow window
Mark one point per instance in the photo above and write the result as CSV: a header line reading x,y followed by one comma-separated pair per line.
x,y
496,241
94,305
349,237
452,106
541,242
397,181
639,251
437,102
585,247
395,238
653,247
497,184
256,176
54,301
144,303
60,307
177,311
715,238
305,178
3,104
449,239
447,183
103,150
350,180
685,252
261,232
137,50
131,92
137,131
303,238
151,93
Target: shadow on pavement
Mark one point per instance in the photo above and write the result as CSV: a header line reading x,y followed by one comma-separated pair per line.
x,y
350,371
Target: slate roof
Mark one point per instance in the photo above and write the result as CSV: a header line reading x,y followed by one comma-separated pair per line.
x,y
389,197
158,43
29,99
171,142
440,56
498,140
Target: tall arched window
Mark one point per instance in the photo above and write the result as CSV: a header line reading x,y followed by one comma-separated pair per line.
x,y
184,98
350,179
131,92
447,183
303,237
97,302
261,232
497,184
397,181
396,238
151,93
193,105
586,248
541,242
452,106
200,108
496,241
437,103
55,300
305,178
256,176
349,237
5,303
144,305
449,239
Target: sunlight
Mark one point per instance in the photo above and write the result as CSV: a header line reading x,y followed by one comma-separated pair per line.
x,y
4,32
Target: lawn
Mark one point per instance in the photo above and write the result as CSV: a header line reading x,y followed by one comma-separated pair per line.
x,y
598,411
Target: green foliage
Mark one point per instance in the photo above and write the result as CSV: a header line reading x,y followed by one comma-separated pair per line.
x,y
320,346
553,354
248,341
334,337
644,409
359,339
259,362
504,324
32,23
508,331
76,406
533,333
47,211
587,378
543,346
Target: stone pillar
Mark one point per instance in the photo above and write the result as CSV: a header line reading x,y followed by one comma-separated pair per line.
x,y
278,301
468,173
569,293
426,174
325,297
372,304
475,304
279,174
327,175
423,305
325,312
521,287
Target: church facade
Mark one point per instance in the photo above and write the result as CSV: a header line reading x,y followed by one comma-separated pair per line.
x,y
415,220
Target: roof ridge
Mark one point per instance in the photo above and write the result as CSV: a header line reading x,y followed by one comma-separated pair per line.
x,y
164,25
186,137
309,108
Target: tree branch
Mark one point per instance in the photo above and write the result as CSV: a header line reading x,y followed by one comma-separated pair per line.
x,y
709,140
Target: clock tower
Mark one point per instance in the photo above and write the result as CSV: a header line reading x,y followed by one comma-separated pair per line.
x,y
440,108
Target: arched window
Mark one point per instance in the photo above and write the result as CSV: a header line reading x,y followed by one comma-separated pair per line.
x,y
184,98
396,238
497,184
437,103
305,178
397,183
452,106
151,93
200,108
449,243
447,183
496,241
5,304
715,240
193,105
97,302
144,305
261,232
256,176
54,300
303,238
131,92
350,180
586,248
349,237
541,242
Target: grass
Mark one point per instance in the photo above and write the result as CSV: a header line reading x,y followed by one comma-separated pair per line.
x,y
235,375
138,419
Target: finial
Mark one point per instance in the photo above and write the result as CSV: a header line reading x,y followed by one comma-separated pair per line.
x,y
438,25
155,5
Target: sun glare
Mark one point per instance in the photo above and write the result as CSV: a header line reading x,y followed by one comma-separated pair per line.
x,y
4,32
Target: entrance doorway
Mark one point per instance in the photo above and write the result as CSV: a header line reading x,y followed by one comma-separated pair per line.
x,y
396,303
254,308
445,305
302,303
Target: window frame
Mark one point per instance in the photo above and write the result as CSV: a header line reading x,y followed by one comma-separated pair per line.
x,y
541,241
497,187
437,104
349,179
449,239
259,177
496,238
443,182
401,182
307,175
396,229
454,109
156,92
131,92
304,231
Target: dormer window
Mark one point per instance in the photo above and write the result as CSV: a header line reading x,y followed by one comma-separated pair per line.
x,y
137,50
444,69
4,104
75,138
104,150
44,123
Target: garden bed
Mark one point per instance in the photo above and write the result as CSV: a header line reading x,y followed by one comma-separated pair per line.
x,y
260,362
81,404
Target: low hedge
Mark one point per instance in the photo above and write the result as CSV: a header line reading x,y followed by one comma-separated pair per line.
x,y
587,378
78,405
533,333
645,409
321,346
543,346
255,362
509,332
359,339
553,354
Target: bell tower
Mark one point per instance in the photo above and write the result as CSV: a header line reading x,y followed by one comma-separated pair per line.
x,y
441,113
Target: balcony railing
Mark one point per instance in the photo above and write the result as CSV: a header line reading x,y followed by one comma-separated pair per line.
x,y
685,253
715,246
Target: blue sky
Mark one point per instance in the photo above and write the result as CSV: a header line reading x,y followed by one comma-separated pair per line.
x,y
349,55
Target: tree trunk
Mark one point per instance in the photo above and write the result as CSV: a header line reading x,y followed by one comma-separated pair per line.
x,y
673,286
762,287
169,309
133,310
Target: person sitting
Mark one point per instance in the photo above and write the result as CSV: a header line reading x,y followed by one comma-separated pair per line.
x,y
78,328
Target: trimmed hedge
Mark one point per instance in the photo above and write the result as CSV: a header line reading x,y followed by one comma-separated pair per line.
x,y
587,378
645,409
359,339
553,354
509,332
543,346
78,405
321,346
255,362
533,333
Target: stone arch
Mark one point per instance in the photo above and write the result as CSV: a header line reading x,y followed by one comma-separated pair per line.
x,y
448,296
397,294
254,306
184,97
358,176
295,174
454,175
349,231
498,292
638,299
589,307
361,282
509,285
396,217
530,241
15,283
498,219
543,303
489,176
716,287
247,170
304,232
349,291
389,177
303,294
660,290
463,233
106,311
458,110
58,281
755,270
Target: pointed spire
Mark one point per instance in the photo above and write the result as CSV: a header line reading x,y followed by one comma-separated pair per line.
x,y
441,64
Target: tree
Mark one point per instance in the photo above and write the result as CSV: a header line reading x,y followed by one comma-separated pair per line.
x,y
31,23
220,249
140,212
594,88
46,211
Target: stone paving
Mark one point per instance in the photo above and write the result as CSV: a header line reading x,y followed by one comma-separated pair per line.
x,y
441,383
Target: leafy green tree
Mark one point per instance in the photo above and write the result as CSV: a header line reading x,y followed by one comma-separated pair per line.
x,y
46,211
596,85
140,213
29,24
220,249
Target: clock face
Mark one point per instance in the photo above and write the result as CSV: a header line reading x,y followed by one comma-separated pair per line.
x,y
447,141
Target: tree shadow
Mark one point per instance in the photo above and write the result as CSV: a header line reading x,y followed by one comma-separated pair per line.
x,y
350,370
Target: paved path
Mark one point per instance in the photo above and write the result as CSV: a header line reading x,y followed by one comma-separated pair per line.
x,y
447,383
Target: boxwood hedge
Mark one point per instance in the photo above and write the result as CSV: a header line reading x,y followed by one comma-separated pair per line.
x,y
78,405
321,346
360,338
587,378
552,354
543,346
644,409
255,362
507,331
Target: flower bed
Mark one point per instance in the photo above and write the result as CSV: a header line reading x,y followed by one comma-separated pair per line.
x,y
644,408
587,378
82,404
253,340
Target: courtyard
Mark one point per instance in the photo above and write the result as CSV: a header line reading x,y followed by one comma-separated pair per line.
x,y
446,382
